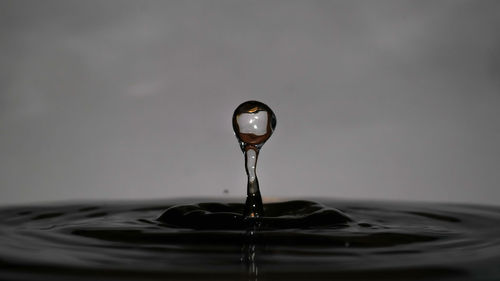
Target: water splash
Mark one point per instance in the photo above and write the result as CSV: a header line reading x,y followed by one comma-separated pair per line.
x,y
296,240
253,124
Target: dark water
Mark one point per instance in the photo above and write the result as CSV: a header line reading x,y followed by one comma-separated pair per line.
x,y
299,240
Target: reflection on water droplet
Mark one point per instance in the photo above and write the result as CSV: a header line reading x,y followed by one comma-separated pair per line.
x,y
253,124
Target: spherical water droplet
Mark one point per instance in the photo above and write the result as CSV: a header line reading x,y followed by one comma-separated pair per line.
x,y
253,124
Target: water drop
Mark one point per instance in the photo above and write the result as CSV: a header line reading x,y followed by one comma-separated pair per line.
x,y
253,125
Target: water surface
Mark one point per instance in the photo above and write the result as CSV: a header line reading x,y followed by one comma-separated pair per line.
x,y
347,240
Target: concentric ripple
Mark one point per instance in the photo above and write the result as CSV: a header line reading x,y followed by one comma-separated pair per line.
x,y
339,240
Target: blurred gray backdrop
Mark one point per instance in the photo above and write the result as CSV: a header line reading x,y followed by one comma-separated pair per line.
x,y
133,99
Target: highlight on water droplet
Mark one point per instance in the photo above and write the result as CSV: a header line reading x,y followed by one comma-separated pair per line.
x,y
253,124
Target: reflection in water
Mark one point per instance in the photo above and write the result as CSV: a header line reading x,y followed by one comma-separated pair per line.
x,y
249,255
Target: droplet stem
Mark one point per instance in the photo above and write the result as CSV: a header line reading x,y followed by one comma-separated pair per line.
x,y
253,124
253,206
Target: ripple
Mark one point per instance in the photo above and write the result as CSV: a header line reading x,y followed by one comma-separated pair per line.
x,y
298,240
282,215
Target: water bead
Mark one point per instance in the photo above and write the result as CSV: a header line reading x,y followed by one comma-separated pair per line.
x,y
253,124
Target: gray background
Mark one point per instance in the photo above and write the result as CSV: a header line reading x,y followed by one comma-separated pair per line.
x,y
374,99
